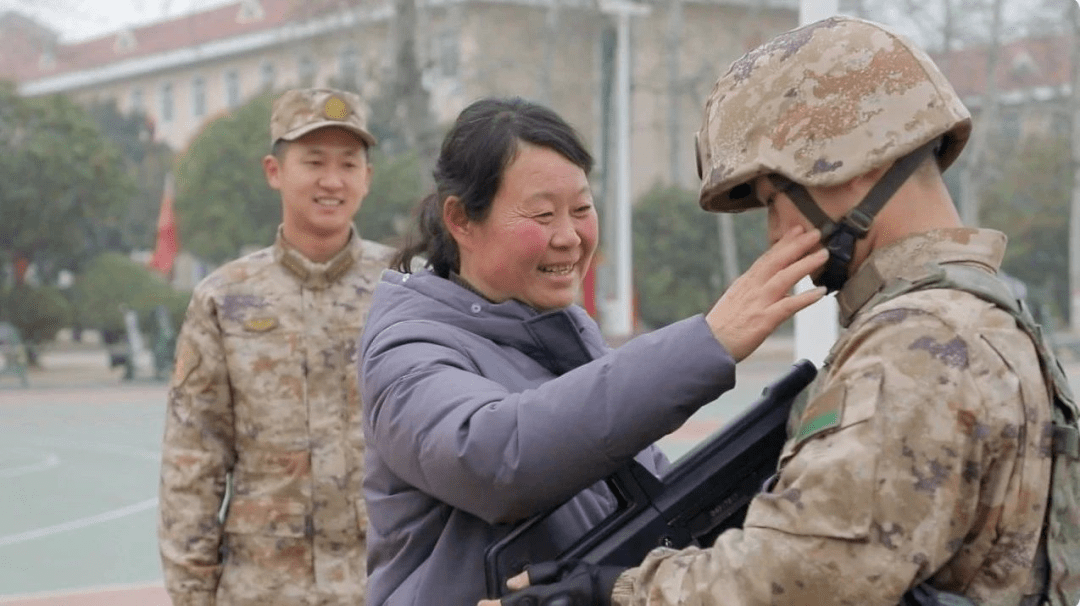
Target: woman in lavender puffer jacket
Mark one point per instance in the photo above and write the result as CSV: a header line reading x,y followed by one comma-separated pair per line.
x,y
488,394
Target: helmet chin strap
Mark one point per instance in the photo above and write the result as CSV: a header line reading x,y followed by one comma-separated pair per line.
x,y
839,237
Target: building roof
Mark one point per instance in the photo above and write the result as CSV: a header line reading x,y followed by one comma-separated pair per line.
x,y
1025,66
52,59
29,57
21,37
30,52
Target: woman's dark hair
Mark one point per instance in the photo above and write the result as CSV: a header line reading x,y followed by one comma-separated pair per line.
x,y
475,153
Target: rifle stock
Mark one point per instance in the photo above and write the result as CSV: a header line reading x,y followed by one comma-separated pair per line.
x,y
704,493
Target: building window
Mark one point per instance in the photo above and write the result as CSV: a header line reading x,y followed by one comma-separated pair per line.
x,y
47,60
447,56
198,97
166,102
125,42
250,10
349,68
136,100
266,75
306,71
232,89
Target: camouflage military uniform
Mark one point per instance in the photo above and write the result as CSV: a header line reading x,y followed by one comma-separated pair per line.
x,y
923,453
265,390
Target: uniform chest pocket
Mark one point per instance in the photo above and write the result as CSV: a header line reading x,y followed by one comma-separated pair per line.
x,y
828,468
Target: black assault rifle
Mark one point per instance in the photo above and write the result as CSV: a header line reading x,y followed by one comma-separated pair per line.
x,y
704,493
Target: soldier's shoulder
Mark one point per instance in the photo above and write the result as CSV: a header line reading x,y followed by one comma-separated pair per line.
x,y
377,250
933,306
376,254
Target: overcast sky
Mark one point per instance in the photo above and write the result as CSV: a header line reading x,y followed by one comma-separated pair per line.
x,y
81,19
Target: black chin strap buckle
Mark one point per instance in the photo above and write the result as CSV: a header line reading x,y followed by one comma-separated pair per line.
x,y
841,247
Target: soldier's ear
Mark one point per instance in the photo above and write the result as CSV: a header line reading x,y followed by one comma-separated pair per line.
x,y
272,170
872,176
837,200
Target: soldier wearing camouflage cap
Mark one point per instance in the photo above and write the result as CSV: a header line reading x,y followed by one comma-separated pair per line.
x,y
918,469
264,398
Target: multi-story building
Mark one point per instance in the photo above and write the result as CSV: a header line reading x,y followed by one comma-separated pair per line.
x,y
1032,85
182,72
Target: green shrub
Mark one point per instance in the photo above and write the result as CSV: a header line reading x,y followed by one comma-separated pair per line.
x,y
678,263
39,312
112,282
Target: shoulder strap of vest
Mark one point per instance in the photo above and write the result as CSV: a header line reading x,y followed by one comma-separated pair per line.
x,y
992,289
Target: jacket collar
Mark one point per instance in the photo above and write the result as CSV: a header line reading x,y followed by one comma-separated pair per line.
x,y
559,340
318,275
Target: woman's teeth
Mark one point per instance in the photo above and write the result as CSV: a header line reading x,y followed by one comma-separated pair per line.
x,y
558,269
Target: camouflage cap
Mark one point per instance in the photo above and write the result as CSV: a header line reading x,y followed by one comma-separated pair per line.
x,y
300,111
820,105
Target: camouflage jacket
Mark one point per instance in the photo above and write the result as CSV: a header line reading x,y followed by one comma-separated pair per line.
x,y
922,453
264,399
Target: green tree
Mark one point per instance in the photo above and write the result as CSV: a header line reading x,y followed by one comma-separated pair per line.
x,y
146,162
395,191
61,180
1029,201
677,255
223,202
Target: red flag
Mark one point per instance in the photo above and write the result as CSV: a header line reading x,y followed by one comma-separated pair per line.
x,y
168,244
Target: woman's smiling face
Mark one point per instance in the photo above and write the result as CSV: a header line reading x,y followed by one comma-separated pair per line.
x,y
538,239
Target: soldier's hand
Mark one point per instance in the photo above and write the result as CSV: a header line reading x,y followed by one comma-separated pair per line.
x,y
759,300
571,583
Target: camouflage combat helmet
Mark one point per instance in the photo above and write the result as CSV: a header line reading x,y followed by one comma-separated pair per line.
x,y
821,105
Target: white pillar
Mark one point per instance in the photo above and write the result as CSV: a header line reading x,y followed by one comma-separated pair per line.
x,y
816,327
619,316
623,323
1074,212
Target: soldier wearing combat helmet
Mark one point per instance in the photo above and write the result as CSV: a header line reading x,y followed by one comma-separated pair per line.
x,y
919,467
264,398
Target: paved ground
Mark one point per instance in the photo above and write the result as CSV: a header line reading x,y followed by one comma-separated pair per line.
x,y
79,451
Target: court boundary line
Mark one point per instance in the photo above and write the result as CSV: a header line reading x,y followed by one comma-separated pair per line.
x,y
108,516
49,461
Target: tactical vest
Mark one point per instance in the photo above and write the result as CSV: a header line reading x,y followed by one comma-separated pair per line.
x,y
1062,525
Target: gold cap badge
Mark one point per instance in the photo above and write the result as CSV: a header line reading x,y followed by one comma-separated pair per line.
x,y
335,109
